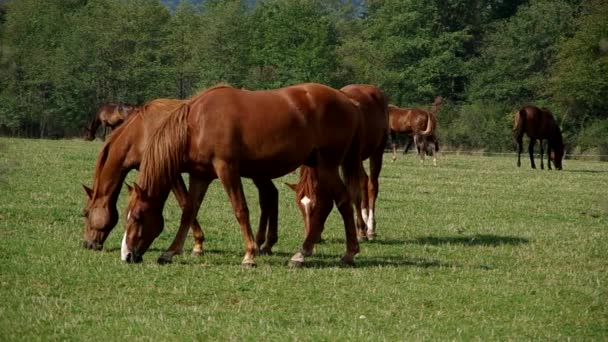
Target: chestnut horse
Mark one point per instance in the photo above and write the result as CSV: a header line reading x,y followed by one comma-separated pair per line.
x,y
230,133
109,115
123,152
120,154
373,136
417,122
539,123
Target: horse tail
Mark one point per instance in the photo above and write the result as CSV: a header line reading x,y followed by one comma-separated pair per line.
x,y
518,126
352,170
164,154
430,127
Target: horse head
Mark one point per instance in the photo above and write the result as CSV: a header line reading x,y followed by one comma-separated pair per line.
x,y
309,199
99,219
144,224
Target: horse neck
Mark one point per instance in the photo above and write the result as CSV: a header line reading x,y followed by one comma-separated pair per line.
x,y
110,174
120,154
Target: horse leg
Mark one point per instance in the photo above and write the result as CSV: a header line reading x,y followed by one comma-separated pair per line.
x,y
233,186
542,165
269,217
520,148
181,194
531,152
394,144
548,154
409,144
362,229
375,165
198,188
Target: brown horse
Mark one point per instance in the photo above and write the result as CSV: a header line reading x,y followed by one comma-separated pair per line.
x,y
373,136
120,154
418,123
230,133
538,123
123,152
109,115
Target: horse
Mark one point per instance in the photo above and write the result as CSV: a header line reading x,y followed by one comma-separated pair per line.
x,y
109,115
373,136
123,152
417,122
120,154
538,123
229,133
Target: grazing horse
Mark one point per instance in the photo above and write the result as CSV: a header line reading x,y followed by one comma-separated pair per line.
x,y
123,152
109,115
373,136
120,154
538,123
417,122
230,133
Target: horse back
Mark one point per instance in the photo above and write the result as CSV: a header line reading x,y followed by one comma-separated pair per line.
x,y
408,120
373,105
258,127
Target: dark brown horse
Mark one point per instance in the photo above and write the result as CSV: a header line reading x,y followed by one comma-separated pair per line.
x,y
538,123
373,136
422,125
109,115
230,133
120,154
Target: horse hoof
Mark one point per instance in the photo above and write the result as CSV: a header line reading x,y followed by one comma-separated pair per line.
x,y
164,259
371,236
362,238
296,264
249,264
197,253
347,261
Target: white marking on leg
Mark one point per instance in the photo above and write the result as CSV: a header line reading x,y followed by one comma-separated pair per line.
x,y
370,222
364,214
124,250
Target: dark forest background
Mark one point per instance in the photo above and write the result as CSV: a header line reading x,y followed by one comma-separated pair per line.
x,y
60,60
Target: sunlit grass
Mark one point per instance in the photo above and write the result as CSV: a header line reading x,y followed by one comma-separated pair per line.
x,y
472,249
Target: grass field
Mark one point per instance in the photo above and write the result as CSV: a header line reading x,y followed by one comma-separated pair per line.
x,y
472,249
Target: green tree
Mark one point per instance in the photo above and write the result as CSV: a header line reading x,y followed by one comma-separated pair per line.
x,y
513,64
404,47
224,43
183,49
293,42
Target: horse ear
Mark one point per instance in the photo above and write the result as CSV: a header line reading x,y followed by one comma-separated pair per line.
x,y
291,186
88,190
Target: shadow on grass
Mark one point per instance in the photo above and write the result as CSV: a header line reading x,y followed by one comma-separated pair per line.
x,y
475,240
585,171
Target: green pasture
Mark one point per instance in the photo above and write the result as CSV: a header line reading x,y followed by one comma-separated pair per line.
x,y
473,249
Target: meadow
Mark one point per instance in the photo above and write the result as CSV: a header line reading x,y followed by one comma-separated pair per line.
x,y
473,249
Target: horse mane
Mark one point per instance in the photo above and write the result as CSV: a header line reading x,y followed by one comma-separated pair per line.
x,y
163,156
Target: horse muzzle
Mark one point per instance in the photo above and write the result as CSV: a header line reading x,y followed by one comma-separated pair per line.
x,y
93,245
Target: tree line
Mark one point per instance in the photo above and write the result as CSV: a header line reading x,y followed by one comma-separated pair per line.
x,y
60,60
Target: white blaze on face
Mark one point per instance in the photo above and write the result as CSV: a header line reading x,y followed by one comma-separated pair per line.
x,y
124,250
306,203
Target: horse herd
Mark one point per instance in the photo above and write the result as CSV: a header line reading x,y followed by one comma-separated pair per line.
x,y
228,133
